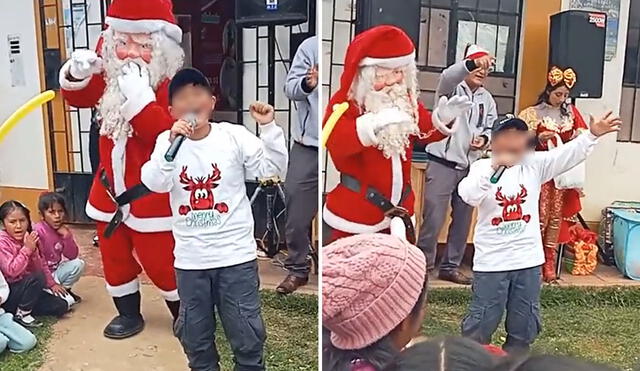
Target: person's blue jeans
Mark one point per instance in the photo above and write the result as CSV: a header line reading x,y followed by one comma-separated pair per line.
x,y
233,293
516,291
69,272
13,336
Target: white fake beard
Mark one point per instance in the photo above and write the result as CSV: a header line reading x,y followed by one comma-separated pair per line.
x,y
394,139
166,59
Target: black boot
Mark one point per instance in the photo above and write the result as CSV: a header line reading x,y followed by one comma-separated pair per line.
x,y
129,321
174,308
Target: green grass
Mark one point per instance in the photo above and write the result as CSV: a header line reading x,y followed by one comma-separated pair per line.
x,y
601,325
31,360
292,337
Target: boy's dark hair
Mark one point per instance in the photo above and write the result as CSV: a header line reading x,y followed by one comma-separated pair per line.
x,y
548,363
509,123
186,77
513,123
9,206
378,354
48,199
445,354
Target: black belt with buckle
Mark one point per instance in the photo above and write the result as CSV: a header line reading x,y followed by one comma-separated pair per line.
x,y
134,193
379,200
442,161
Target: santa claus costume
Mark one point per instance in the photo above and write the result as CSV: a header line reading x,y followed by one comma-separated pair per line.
x,y
127,81
371,143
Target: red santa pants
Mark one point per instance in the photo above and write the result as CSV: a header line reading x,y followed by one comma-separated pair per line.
x,y
154,253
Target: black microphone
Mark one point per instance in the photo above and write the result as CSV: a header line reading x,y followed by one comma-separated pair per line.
x,y
192,119
497,174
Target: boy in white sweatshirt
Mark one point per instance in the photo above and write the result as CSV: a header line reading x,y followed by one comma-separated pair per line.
x,y
508,245
215,249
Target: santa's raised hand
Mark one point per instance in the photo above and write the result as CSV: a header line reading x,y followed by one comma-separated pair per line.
x,y
136,87
447,110
84,64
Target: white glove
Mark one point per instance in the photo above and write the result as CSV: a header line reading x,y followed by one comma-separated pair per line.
x,y
370,123
135,86
447,110
390,116
134,81
84,63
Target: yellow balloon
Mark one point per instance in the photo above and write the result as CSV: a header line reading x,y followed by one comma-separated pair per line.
x,y
26,108
338,111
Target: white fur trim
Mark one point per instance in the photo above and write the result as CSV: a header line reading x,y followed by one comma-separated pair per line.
x,y
345,225
170,295
442,127
145,26
396,179
118,160
365,128
67,84
397,228
393,62
143,225
125,289
134,105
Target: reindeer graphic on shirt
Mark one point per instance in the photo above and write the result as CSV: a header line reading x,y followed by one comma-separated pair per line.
x,y
513,219
201,188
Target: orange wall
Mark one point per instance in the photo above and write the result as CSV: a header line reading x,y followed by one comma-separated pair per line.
x,y
535,49
28,196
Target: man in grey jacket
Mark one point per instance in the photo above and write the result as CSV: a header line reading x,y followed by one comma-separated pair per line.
x,y
301,184
449,162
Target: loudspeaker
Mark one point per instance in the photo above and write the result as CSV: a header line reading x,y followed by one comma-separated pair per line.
x,y
577,40
371,13
251,13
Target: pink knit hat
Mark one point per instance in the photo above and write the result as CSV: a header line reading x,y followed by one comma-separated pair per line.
x,y
370,283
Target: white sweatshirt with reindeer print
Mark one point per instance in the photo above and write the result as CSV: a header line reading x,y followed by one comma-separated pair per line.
x,y
212,219
507,232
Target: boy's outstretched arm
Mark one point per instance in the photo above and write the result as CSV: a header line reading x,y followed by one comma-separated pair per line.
x,y
474,188
157,173
268,155
559,160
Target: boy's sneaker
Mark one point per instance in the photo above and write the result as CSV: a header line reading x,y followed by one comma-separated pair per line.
x,y
75,297
27,321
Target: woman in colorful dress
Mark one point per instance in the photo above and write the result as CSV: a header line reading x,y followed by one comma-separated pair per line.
x,y
552,118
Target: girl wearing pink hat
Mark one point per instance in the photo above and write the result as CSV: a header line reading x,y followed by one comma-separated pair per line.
x,y
374,294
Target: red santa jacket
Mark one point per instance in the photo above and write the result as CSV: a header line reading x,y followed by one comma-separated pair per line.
x,y
351,212
123,160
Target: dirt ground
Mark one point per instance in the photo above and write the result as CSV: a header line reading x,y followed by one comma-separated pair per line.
x,y
78,344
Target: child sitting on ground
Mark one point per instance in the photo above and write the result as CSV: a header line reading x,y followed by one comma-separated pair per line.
x,y
215,250
374,289
507,240
56,243
13,336
24,270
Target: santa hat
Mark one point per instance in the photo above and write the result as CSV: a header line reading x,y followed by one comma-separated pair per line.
x,y
474,52
383,46
136,16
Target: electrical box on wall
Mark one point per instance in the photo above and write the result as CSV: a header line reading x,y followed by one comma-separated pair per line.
x,y
16,63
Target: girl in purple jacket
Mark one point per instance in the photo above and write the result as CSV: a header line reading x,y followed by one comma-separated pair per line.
x,y
26,273
58,249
